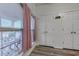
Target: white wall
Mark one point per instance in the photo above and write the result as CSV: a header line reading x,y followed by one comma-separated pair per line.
x,y
33,8
56,8
50,9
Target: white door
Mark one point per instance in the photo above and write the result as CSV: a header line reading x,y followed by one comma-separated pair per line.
x,y
76,30
46,30
54,32
58,33
68,30
51,31
50,28
42,30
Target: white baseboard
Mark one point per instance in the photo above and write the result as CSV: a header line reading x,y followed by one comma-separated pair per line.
x,y
30,50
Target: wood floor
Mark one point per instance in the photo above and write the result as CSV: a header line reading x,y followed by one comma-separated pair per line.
x,y
49,51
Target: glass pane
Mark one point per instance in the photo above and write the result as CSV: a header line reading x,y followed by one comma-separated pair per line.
x,y
11,37
5,38
10,51
6,51
19,39
0,39
8,38
18,24
32,29
32,23
6,23
18,35
0,52
0,43
11,43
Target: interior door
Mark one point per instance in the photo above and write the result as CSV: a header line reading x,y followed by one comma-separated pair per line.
x,y
76,30
42,30
58,33
68,30
53,31
50,30
47,30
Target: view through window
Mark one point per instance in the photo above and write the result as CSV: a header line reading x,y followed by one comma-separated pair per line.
x,y
10,37
32,30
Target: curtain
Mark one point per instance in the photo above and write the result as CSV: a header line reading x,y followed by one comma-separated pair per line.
x,y
26,28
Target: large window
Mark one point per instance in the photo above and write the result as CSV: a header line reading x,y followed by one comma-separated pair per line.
x,y
18,24
6,23
10,36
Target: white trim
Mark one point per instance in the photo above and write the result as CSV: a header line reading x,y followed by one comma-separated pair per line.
x,y
30,50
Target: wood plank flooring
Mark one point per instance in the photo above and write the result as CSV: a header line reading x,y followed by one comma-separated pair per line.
x,y
49,51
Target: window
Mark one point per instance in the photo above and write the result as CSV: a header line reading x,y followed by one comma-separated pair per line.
x,y
18,24
6,23
11,43
10,37
32,30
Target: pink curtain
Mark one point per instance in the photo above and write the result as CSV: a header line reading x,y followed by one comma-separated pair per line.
x,y
26,28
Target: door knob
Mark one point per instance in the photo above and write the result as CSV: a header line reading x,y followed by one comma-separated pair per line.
x,y
74,32
46,32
